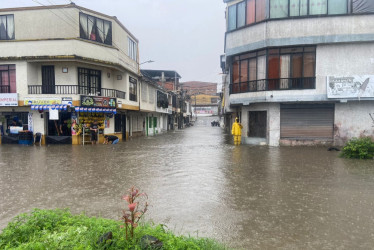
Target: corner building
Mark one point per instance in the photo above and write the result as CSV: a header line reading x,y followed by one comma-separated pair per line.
x,y
66,64
300,72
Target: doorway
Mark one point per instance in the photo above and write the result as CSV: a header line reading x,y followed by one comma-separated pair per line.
x,y
257,124
48,80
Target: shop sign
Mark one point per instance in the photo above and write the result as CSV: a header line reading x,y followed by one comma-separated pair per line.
x,y
119,104
98,101
350,87
41,101
9,99
53,114
67,101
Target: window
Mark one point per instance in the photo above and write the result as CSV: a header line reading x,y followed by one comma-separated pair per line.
x,y
317,7
8,78
133,89
338,7
132,49
241,14
278,8
274,69
95,29
253,11
89,81
162,100
232,17
7,27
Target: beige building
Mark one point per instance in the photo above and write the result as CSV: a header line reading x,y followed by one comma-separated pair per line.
x,y
67,55
300,72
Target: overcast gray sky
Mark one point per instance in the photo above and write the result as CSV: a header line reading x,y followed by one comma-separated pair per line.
x,y
182,35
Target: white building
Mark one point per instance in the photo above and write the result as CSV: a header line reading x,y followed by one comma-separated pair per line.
x,y
155,106
67,54
300,71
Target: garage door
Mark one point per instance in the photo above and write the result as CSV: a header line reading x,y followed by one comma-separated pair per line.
x,y
309,122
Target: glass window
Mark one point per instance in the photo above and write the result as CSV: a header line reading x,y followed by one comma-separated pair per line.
x,y
251,11
337,7
89,81
95,29
132,49
278,8
317,7
232,17
244,71
7,27
298,7
309,64
235,72
260,10
8,78
241,14
133,89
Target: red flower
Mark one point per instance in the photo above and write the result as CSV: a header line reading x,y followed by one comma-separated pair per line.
x,y
132,206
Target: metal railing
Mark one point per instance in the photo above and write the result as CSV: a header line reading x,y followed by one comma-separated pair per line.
x,y
273,84
113,93
4,89
74,90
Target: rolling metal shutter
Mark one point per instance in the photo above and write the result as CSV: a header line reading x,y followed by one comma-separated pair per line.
x,y
308,122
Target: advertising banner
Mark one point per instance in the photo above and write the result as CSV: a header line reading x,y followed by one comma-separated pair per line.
x,y
98,101
41,101
30,122
9,99
350,87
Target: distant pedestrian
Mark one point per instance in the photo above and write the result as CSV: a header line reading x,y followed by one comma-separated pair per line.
x,y
94,128
111,138
236,131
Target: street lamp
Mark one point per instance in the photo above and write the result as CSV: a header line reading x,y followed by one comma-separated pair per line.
x,y
149,61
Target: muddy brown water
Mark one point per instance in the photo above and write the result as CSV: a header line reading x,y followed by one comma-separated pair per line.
x,y
198,183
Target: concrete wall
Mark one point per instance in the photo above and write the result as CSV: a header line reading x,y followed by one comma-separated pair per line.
x,y
273,122
357,124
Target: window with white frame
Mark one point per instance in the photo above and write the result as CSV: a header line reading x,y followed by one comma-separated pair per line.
x,y
132,49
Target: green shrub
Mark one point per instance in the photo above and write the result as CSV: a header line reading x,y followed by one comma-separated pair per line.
x,y
359,148
59,229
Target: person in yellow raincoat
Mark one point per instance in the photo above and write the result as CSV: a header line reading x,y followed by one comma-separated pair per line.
x,y
236,131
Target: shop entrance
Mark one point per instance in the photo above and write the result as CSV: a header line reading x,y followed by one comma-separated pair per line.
x,y
59,131
257,124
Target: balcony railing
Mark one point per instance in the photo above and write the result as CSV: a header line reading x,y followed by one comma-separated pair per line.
x,y
74,90
4,89
273,84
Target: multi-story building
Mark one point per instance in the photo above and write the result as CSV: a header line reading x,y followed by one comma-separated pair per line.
x,y
300,71
155,105
179,108
196,87
66,64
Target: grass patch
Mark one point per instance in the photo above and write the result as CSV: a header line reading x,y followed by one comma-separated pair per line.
x,y
59,229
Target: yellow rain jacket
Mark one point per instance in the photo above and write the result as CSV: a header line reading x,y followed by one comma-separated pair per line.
x,y
236,128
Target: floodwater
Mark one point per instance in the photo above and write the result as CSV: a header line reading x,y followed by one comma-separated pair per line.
x,y
199,183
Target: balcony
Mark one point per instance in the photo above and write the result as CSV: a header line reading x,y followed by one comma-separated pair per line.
x,y
273,84
74,90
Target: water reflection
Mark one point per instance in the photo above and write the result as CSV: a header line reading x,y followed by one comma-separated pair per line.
x,y
197,181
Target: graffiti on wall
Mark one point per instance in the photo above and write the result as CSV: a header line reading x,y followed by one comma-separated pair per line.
x,y
350,87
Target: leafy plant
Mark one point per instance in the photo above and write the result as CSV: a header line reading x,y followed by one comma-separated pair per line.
x,y
133,213
359,148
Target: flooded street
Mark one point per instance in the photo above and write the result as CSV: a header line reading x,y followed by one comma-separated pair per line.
x,y
198,182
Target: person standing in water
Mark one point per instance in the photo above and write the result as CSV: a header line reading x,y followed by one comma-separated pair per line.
x,y
236,131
